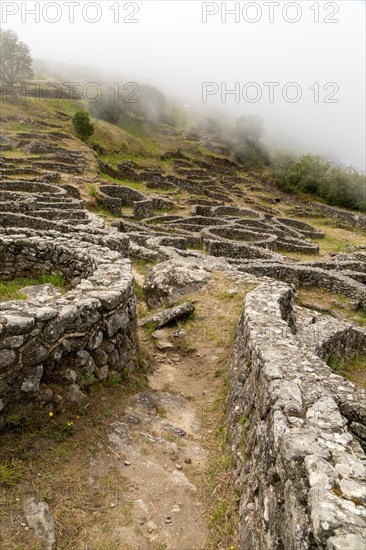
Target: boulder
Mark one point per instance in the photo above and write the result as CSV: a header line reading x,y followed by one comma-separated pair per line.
x,y
168,281
168,316
38,517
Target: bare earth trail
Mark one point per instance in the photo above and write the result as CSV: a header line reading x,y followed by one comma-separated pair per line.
x,y
166,439
144,468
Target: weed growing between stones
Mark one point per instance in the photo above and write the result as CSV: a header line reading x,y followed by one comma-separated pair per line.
x,y
142,266
65,430
138,290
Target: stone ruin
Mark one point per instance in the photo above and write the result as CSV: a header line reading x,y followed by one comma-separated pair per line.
x,y
297,430
54,344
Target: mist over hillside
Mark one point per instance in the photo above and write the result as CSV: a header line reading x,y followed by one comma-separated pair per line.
x,y
297,65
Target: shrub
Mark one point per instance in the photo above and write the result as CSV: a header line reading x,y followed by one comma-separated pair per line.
x,y
82,125
316,175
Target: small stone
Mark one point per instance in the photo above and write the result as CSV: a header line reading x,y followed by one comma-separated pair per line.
x,y
179,466
168,316
75,396
32,380
127,463
188,460
45,395
151,526
180,333
38,517
7,358
159,334
69,375
164,345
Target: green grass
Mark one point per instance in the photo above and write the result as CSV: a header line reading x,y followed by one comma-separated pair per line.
x,y
107,213
227,295
92,190
209,152
129,183
139,291
324,301
353,368
142,266
359,316
221,518
9,290
10,473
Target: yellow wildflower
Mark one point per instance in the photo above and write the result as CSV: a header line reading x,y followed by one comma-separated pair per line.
x,y
50,413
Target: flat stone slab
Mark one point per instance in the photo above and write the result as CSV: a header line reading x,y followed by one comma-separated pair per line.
x,y
167,316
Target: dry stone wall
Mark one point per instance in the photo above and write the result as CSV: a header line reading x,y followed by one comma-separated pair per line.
x,y
256,230
114,197
300,466
54,345
317,209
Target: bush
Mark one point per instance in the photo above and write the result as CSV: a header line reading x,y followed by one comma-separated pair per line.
x,y
82,125
313,174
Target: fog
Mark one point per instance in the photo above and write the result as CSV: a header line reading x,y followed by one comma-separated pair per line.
x,y
319,46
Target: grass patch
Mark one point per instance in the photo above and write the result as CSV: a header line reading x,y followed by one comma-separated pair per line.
x,y
139,291
142,266
353,368
10,290
105,212
222,499
92,190
55,459
337,238
324,301
226,295
10,473
138,185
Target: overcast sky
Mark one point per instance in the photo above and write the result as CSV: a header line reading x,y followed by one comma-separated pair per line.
x,y
318,46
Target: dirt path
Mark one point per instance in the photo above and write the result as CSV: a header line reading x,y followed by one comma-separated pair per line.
x,y
151,470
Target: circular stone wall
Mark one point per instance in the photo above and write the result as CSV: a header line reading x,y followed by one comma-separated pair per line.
x,y
64,341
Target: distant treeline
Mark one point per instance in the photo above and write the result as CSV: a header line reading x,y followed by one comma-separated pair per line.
x,y
317,176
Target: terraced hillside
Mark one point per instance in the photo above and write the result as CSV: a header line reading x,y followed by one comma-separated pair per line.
x,y
198,379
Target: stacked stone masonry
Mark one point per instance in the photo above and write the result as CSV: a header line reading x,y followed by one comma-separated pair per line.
x,y
301,465
54,344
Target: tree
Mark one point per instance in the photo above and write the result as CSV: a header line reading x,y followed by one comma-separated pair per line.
x,y
15,59
82,125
